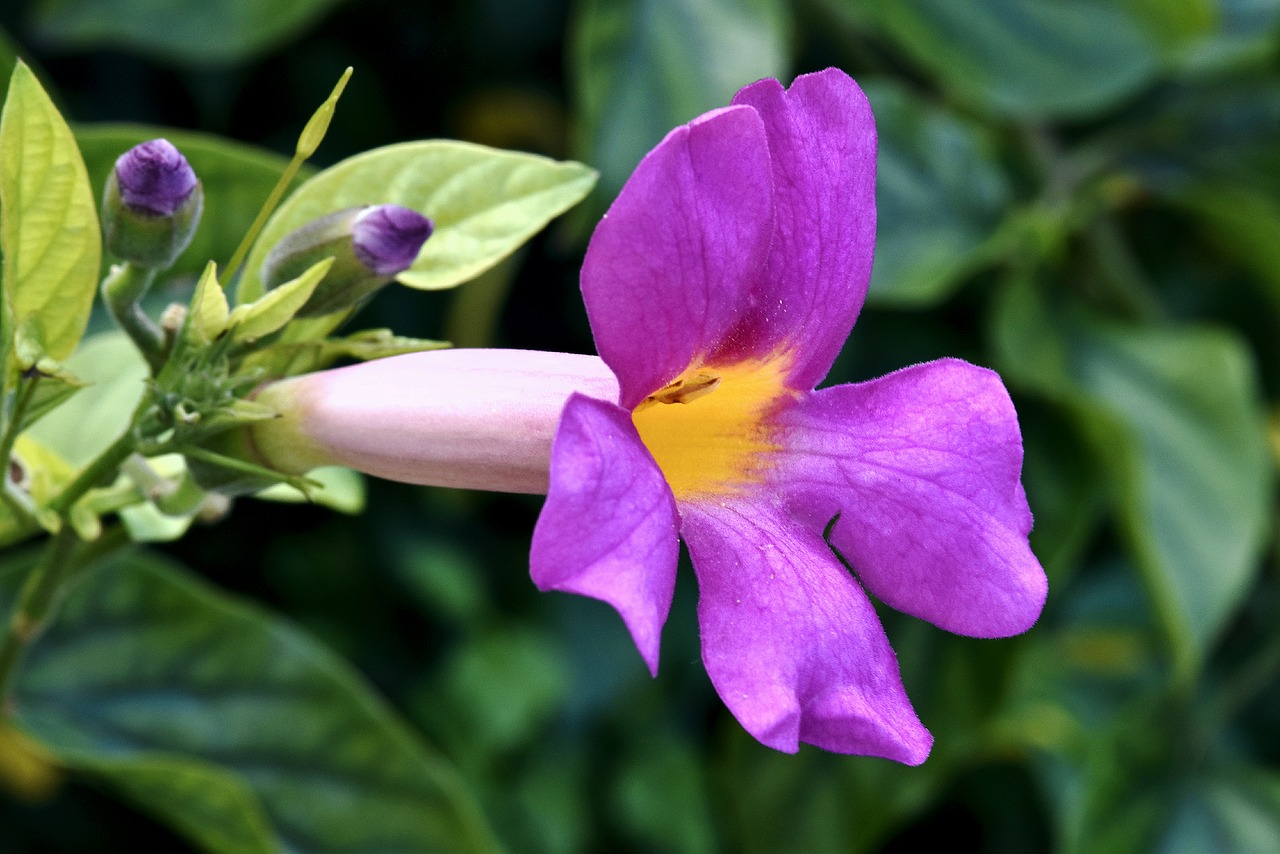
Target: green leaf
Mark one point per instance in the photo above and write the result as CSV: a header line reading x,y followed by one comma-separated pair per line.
x,y
940,194
49,234
147,667
116,374
272,311
642,67
1194,473
484,204
212,31
1244,222
1234,810
1175,415
236,179
1027,59
209,805
1243,32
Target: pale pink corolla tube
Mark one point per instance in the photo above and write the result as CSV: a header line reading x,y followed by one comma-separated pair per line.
x,y
472,419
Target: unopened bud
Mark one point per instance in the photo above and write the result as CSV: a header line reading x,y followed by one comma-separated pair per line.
x,y
370,246
151,205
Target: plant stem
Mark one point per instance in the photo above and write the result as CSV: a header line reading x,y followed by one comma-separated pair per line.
x,y
44,584
39,594
12,426
106,463
122,291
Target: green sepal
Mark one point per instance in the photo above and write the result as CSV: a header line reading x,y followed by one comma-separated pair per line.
x,y
334,487
348,283
149,240
208,314
279,306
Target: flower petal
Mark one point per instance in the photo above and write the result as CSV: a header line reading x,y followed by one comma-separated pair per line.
x,y
609,529
791,642
822,139
666,271
923,466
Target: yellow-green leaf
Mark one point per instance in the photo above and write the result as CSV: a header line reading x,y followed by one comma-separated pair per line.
x,y
50,236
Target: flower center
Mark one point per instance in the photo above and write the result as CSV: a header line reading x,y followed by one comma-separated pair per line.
x,y
707,429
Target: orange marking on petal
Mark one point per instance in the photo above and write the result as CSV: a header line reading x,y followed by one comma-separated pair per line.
x,y
708,429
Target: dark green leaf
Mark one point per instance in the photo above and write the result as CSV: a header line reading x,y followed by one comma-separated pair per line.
x,y
211,31
1176,416
644,66
1026,59
206,707
1234,811
939,196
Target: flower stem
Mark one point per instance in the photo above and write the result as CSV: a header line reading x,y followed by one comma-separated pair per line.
x,y
122,290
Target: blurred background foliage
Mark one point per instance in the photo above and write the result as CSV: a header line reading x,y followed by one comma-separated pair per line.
x,y
1083,194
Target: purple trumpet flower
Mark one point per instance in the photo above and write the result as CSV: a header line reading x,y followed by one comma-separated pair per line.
x,y
720,287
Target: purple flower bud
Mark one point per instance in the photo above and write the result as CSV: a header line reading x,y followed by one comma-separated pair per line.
x,y
154,178
387,238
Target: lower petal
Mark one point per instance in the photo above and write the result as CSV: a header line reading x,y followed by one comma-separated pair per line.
x,y
609,528
791,642
923,467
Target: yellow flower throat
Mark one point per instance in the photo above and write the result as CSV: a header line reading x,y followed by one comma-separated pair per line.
x,y
706,429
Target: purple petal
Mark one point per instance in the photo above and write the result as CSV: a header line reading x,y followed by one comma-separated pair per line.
x,y
388,238
823,143
791,642
668,267
154,178
923,466
609,529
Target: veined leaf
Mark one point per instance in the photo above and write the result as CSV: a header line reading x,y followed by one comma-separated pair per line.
x,y
484,203
1025,59
50,236
199,706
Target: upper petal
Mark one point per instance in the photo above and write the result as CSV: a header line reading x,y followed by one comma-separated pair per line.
x,y
789,639
822,139
923,466
609,528
666,271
